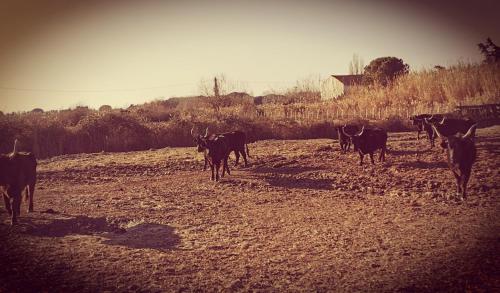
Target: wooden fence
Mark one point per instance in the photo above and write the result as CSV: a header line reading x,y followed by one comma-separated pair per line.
x,y
487,111
329,111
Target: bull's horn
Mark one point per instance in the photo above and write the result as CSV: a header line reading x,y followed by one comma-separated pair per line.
x,y
345,133
471,132
192,133
361,132
206,132
437,131
442,121
15,146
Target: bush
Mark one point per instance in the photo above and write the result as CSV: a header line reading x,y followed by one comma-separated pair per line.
x,y
112,132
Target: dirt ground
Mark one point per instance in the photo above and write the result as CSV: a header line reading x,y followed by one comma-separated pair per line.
x,y
302,217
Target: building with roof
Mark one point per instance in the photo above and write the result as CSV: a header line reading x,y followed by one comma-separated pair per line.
x,y
337,85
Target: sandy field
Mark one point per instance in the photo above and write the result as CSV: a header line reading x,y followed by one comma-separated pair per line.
x,y
301,217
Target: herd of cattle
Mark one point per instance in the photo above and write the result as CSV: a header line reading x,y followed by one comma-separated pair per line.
x,y
18,169
457,137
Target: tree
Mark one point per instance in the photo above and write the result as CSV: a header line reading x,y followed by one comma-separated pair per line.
x,y
37,111
356,65
217,91
384,70
490,51
105,108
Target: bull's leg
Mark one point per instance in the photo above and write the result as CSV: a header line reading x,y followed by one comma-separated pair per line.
x,y
381,158
465,180
212,167
244,154
458,181
361,159
237,154
348,146
206,162
418,134
226,166
371,158
31,191
217,167
15,194
16,203
6,201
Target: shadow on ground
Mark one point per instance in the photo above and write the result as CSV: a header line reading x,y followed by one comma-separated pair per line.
x,y
284,169
301,183
403,152
424,165
142,235
146,235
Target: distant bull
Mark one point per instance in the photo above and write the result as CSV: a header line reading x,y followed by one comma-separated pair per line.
x,y
17,173
461,153
344,139
367,141
423,123
216,151
235,140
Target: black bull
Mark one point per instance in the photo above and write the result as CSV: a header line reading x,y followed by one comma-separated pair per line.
x,y
461,153
367,141
234,141
422,122
17,173
451,126
345,139
216,151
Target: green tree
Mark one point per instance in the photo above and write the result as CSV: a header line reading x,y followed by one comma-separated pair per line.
x,y
384,70
490,51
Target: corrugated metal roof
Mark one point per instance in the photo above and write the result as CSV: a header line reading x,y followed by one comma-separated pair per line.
x,y
351,79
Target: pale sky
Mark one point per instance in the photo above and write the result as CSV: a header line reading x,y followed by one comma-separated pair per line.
x,y
56,54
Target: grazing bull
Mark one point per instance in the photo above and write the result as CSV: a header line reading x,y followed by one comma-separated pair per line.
x,y
344,140
423,123
216,151
461,153
369,140
236,142
451,126
418,121
17,173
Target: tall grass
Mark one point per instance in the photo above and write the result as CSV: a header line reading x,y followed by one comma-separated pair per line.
x,y
461,84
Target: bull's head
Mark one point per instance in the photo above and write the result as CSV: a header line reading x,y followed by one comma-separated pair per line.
x,y
429,120
356,138
450,142
434,119
200,140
